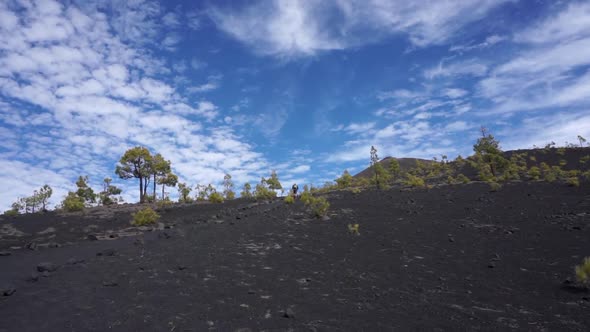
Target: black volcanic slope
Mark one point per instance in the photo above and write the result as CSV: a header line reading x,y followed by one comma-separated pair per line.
x,y
449,258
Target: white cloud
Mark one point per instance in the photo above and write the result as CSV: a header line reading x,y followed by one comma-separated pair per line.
x,y
97,91
545,74
566,25
301,28
198,64
488,42
454,93
457,126
462,68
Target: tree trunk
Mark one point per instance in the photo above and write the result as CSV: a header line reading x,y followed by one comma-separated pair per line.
x,y
163,186
140,189
154,187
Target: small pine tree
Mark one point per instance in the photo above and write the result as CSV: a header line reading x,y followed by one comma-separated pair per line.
x,y
184,193
246,191
345,180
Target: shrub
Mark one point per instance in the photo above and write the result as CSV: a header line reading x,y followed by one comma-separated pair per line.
x,y
573,181
450,180
494,186
462,178
229,195
72,202
262,192
584,159
583,271
561,151
164,202
414,181
290,199
145,217
215,197
533,158
534,173
354,229
562,162
306,197
319,206
356,190
11,212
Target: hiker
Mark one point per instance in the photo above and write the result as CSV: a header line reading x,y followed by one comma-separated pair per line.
x,y
295,188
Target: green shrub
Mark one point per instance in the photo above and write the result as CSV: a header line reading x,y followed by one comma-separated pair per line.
x,y
289,199
586,175
562,162
573,181
450,180
583,271
584,159
319,206
72,202
306,197
356,190
414,181
354,229
262,192
533,158
145,217
462,178
215,197
534,173
11,212
164,203
561,151
229,195
494,186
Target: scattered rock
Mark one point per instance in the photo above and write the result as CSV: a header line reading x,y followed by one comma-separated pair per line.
x,y
74,261
289,313
110,283
492,265
34,277
92,237
5,253
107,252
47,231
46,267
8,291
31,246
164,235
182,267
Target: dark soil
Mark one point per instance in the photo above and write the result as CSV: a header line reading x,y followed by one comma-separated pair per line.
x,y
453,258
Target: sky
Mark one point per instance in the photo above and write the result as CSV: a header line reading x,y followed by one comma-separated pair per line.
x,y
301,87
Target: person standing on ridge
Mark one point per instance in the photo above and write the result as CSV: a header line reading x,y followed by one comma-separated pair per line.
x,y
295,188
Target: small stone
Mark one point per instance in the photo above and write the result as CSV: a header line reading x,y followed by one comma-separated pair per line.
x,y
5,253
74,261
492,265
45,274
31,246
110,283
289,313
46,266
107,252
34,277
182,267
8,291
164,235
92,237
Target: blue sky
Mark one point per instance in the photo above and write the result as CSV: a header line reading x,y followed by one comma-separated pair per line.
x,y
301,87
